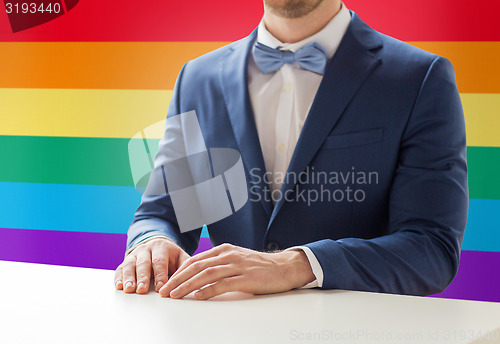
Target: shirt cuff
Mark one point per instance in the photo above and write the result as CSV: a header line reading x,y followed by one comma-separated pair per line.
x,y
145,240
315,266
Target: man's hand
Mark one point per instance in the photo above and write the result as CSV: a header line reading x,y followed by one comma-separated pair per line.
x,y
231,268
160,256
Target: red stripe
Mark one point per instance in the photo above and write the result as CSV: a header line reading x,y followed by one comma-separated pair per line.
x,y
63,4
431,20
228,20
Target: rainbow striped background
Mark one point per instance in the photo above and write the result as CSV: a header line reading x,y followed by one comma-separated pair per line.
x,y
73,91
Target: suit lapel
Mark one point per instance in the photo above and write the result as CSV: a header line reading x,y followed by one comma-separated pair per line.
x,y
235,90
345,73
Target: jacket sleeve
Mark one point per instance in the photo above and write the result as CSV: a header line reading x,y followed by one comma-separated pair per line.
x,y
155,215
427,208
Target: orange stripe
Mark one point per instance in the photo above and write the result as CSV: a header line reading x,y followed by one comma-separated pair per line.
x,y
476,63
155,65
96,65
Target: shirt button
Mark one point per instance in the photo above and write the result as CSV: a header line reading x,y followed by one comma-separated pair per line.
x,y
281,148
287,87
272,246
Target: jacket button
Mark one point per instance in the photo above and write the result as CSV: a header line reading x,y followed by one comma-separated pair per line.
x,y
272,246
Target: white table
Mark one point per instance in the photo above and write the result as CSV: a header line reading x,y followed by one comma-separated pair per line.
x,y
54,304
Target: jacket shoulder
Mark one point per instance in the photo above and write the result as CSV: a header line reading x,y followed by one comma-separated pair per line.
x,y
211,60
398,50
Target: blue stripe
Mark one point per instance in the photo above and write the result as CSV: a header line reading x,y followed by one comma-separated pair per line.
x,y
109,209
483,226
65,207
204,232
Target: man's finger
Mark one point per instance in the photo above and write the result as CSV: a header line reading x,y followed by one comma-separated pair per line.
x,y
160,261
235,283
119,278
190,270
183,256
143,271
213,252
128,268
208,276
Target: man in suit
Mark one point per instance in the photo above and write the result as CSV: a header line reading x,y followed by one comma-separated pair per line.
x,y
315,92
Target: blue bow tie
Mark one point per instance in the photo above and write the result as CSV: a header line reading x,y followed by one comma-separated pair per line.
x,y
311,57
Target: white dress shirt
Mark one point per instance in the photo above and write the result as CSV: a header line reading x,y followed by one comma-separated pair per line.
x,y
281,101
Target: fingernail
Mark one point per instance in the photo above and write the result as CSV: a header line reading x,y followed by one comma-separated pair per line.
x,y
159,285
198,294
141,285
164,291
128,285
118,283
174,293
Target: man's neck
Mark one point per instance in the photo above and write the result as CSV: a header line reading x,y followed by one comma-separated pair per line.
x,y
291,30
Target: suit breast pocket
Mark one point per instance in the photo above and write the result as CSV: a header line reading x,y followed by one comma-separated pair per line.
x,y
356,139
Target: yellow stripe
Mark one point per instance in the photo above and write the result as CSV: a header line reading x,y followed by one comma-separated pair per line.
x,y
123,113
482,118
87,113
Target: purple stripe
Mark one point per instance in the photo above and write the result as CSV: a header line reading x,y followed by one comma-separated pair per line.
x,y
204,245
478,278
81,249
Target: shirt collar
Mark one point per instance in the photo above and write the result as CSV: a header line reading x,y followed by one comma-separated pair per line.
x,y
329,37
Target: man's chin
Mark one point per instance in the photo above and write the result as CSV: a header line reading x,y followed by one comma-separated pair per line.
x,y
292,8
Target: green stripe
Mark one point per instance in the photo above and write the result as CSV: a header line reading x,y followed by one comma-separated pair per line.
x,y
104,161
484,172
65,160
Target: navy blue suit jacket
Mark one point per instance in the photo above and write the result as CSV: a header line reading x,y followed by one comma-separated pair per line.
x,y
383,107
